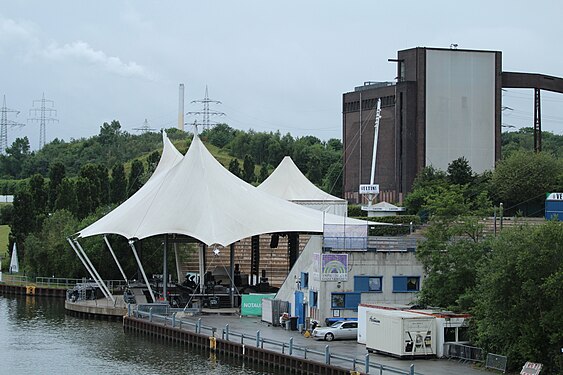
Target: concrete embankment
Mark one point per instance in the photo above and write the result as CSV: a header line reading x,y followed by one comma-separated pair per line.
x,y
247,353
32,290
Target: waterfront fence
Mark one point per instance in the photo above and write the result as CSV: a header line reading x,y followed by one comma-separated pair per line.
x,y
57,282
163,314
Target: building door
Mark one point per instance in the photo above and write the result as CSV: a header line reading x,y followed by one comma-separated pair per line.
x,y
299,307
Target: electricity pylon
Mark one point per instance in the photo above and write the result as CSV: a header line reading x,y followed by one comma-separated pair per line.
x,y
43,115
4,123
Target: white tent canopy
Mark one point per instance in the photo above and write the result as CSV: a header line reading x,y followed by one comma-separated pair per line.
x,y
289,183
197,197
14,264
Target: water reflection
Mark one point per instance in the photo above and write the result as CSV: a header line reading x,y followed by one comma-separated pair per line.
x,y
38,338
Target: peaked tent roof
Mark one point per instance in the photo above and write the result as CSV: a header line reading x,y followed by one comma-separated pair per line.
x,y
289,183
199,198
114,221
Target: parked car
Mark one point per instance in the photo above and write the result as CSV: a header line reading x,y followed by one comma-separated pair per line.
x,y
338,330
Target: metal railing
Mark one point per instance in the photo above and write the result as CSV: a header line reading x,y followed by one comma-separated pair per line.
x,y
57,282
463,353
154,313
496,362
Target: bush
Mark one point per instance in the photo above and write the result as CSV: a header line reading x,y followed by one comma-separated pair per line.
x,y
355,210
384,230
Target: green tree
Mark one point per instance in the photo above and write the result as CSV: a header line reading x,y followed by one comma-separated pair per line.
x,y
459,172
56,175
66,198
109,133
234,167
263,172
248,169
91,173
22,219
135,180
519,297
118,184
454,244
425,184
220,135
332,183
103,181
39,199
522,180
84,204
48,251
16,158
152,162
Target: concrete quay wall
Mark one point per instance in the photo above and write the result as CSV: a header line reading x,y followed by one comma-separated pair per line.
x,y
32,290
209,344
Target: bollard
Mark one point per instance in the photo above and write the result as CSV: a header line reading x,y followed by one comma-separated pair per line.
x,y
327,355
227,332
258,338
173,320
129,309
198,326
150,314
223,334
242,338
290,345
213,330
305,353
412,370
366,363
283,347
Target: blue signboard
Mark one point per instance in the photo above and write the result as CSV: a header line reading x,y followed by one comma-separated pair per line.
x,y
554,206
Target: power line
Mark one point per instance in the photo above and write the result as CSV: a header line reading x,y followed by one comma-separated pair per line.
x,y
45,111
4,123
206,112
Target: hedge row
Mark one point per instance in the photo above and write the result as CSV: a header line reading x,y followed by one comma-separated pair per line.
x,y
384,230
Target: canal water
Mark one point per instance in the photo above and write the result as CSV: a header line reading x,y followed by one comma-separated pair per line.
x,y
37,337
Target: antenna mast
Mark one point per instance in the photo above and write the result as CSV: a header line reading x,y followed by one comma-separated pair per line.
x,y
206,112
45,111
4,123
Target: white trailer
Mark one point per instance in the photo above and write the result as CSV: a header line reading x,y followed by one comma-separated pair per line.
x,y
400,333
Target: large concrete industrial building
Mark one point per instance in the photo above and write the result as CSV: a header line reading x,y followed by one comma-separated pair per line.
x,y
443,104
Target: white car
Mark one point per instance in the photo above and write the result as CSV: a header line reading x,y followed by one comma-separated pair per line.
x,y
339,330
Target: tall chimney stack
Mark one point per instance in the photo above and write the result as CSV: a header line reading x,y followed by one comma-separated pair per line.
x,y
181,108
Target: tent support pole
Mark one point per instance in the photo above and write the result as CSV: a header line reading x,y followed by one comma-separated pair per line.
x,y
115,258
142,270
94,270
87,267
165,269
232,271
202,248
178,270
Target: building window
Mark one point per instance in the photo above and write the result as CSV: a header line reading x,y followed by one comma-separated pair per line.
x,y
406,284
449,334
304,279
348,300
313,298
368,283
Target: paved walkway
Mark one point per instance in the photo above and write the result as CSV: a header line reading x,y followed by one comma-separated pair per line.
x,y
351,349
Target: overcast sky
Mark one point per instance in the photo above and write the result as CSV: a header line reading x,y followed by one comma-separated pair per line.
x,y
274,65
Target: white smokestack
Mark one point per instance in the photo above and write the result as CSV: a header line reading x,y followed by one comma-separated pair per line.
x,y
181,108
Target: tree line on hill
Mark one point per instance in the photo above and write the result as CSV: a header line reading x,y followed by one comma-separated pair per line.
x,y
511,283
